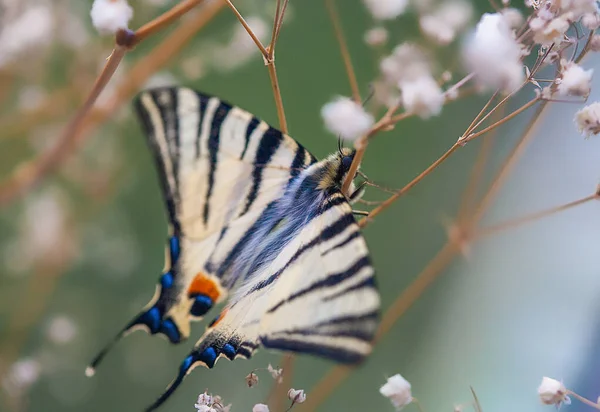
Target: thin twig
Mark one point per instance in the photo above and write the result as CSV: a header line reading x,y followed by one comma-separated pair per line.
x,y
256,40
388,202
29,174
583,400
164,20
532,217
339,35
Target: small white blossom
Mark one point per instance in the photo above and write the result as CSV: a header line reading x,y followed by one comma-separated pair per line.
x,y
577,8
407,62
553,392
386,9
513,17
260,407
108,16
446,21
549,31
252,379
398,390
494,55
591,21
296,395
377,36
595,43
21,375
205,408
61,330
574,80
422,96
275,373
346,118
588,119
30,30
204,399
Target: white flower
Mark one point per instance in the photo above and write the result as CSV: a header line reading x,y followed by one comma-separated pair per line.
x,y
513,17
422,96
260,407
494,55
577,8
61,330
397,389
346,118
595,43
386,9
553,392
574,80
588,119
252,379
31,29
108,16
275,373
296,396
591,21
407,62
204,408
446,21
547,32
377,36
204,399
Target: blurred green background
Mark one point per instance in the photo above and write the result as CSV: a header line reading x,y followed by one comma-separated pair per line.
x,y
81,252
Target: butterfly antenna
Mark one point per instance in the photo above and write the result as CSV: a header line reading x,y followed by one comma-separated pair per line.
x,y
370,95
340,144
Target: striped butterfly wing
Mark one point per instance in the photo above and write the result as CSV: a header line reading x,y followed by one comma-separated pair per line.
x,y
317,296
219,169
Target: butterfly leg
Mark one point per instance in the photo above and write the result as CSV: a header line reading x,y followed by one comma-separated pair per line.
x,y
360,212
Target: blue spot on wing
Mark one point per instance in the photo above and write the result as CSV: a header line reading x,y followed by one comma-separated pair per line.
x,y
208,356
170,330
166,280
201,305
229,351
174,248
150,318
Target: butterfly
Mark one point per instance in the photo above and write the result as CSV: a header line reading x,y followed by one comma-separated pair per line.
x,y
256,221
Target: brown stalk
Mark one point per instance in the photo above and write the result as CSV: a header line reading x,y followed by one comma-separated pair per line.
x,y
486,231
164,20
30,173
583,400
269,58
388,202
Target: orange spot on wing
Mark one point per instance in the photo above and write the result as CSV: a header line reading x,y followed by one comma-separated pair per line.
x,y
219,319
202,284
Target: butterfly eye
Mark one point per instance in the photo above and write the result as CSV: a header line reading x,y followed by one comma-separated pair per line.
x,y
346,162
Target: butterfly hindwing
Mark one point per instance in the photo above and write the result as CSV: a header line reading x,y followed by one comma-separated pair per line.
x,y
219,168
316,296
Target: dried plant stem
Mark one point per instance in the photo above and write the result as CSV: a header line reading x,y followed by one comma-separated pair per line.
x,y
500,122
532,217
277,96
30,173
278,393
269,57
388,202
242,21
339,34
584,400
481,112
164,20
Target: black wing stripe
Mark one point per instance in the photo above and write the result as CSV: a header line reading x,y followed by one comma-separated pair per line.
x,y
269,144
343,243
203,103
151,134
299,346
328,233
254,122
213,150
329,281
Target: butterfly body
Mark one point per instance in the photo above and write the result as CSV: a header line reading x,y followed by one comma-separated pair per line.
x,y
254,218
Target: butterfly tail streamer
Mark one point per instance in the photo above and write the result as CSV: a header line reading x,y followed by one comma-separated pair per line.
x,y
186,367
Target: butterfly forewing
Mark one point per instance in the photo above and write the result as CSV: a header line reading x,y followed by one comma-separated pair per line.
x,y
219,169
